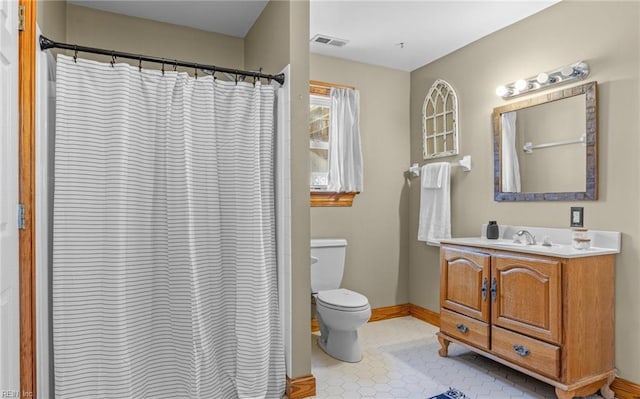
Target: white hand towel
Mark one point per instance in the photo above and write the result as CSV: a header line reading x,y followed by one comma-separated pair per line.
x,y
434,223
431,176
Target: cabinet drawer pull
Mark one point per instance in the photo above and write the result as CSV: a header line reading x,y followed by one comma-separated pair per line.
x,y
484,289
494,289
521,350
462,328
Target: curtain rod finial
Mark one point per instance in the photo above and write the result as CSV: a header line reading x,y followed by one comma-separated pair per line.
x,y
46,43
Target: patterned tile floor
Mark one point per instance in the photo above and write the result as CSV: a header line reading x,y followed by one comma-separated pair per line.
x,y
401,361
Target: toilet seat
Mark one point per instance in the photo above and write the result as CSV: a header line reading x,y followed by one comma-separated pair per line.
x,y
343,300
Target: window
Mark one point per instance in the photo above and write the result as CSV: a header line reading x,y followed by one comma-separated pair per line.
x,y
440,121
319,129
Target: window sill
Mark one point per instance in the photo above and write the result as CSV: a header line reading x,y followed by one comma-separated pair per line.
x,y
323,198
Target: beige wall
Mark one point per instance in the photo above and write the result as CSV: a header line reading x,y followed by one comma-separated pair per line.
x,y
376,225
266,42
280,37
52,19
606,35
95,28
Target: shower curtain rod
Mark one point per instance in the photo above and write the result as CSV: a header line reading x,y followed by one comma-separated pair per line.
x,y
47,44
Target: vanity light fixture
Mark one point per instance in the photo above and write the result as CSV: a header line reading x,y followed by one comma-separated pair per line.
x,y
565,74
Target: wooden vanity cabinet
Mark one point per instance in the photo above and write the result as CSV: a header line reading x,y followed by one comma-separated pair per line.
x,y
551,318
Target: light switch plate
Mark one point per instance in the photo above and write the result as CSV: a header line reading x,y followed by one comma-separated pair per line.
x,y
577,216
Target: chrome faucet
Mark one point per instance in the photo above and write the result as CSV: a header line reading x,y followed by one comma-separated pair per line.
x,y
530,239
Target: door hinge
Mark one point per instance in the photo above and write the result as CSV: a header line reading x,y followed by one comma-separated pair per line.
x,y
21,223
20,18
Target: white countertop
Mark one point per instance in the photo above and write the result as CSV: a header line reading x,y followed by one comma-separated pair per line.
x,y
558,250
602,242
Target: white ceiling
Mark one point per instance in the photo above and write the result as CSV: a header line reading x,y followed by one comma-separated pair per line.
x,y
428,29
229,17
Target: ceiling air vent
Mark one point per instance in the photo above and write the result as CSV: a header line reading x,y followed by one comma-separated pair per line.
x,y
331,41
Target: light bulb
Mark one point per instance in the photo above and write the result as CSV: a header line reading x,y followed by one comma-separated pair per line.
x,y
501,91
542,78
567,71
521,84
582,70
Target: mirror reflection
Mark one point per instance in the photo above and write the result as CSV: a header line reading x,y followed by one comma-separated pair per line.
x,y
545,147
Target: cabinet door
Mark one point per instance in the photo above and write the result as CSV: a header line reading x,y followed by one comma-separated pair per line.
x,y
464,282
527,295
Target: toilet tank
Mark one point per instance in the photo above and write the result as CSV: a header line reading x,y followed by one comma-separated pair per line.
x,y
326,272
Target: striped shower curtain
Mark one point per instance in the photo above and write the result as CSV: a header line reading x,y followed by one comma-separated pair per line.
x,y
164,258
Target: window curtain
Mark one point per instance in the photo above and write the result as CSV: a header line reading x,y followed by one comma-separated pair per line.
x,y
164,254
345,154
510,166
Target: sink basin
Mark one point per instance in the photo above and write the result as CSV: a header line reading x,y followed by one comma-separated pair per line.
x,y
512,243
519,246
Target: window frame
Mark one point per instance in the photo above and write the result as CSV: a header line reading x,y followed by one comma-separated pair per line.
x,y
320,198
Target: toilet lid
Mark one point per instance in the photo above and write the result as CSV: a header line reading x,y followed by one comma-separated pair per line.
x,y
343,298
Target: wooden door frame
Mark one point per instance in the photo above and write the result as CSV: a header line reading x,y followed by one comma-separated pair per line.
x,y
26,167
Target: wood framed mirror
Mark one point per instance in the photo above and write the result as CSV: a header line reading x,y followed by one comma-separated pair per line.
x,y
545,147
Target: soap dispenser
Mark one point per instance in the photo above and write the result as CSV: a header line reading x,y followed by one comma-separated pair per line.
x,y
493,231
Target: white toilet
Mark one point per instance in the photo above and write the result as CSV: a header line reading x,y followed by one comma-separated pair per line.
x,y
340,311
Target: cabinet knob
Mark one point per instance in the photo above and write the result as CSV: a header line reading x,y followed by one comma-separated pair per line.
x,y
462,328
521,350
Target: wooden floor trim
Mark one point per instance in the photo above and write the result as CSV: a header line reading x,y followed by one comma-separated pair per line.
x,y
425,314
377,314
391,312
301,387
625,389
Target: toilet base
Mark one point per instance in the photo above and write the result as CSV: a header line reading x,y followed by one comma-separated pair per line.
x,y
342,345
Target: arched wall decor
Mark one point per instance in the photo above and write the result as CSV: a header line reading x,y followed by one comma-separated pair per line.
x,y
440,121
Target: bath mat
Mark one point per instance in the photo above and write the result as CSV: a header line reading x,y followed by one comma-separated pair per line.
x,y
450,394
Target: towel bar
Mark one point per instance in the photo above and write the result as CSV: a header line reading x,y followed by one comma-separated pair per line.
x,y
464,163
